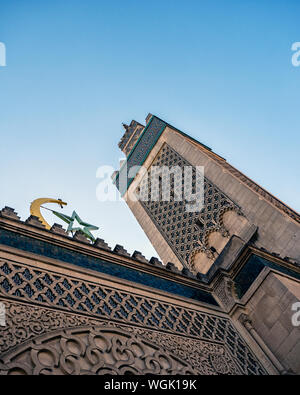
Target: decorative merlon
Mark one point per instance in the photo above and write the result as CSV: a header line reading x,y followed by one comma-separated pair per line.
x,y
10,213
79,236
131,135
186,272
139,257
34,221
172,267
100,243
156,262
121,251
149,116
58,229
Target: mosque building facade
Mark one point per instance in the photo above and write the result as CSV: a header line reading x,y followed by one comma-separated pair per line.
x,y
222,299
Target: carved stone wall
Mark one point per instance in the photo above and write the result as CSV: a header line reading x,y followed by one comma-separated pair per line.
x,y
45,308
40,341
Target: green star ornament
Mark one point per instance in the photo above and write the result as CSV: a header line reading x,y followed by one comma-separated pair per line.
x,y
75,223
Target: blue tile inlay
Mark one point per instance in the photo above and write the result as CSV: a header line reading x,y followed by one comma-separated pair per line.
x,y
49,250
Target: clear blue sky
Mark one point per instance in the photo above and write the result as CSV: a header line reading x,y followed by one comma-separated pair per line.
x,y
220,71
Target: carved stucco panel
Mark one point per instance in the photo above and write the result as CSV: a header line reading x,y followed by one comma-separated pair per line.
x,y
42,341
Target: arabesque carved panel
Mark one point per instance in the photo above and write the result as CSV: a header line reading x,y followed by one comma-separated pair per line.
x,y
94,301
49,342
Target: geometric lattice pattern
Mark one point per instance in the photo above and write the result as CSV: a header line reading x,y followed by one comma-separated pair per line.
x,y
184,231
136,158
71,294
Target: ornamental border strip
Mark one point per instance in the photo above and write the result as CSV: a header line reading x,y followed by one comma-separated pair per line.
x,y
141,150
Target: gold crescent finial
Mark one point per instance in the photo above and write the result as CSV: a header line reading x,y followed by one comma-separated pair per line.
x,y
35,208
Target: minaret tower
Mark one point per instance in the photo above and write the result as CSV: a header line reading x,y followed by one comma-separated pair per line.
x,y
236,211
